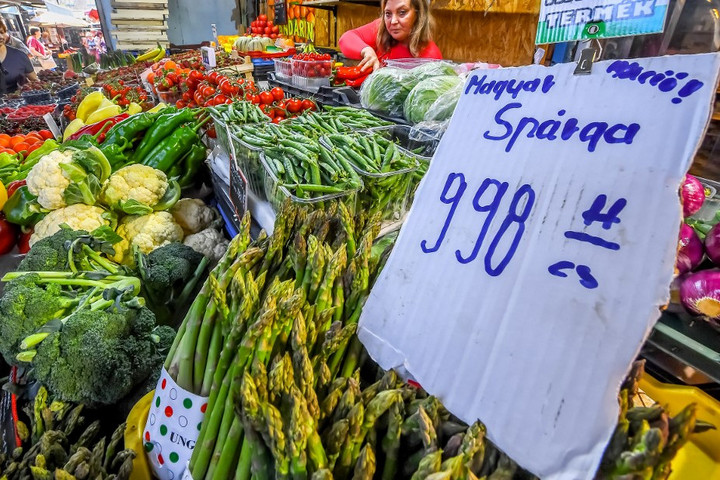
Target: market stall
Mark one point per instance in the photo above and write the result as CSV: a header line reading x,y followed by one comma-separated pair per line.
x,y
208,271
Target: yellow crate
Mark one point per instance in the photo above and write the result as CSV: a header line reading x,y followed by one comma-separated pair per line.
x,y
699,459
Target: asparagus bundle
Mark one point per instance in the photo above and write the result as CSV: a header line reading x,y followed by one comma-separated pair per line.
x,y
292,394
56,446
302,287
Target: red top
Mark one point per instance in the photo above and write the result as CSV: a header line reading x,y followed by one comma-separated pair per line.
x,y
33,42
353,41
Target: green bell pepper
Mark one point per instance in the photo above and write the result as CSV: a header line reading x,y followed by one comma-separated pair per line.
x,y
22,208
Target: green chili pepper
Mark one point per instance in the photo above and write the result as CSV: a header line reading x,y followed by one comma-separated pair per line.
x,y
22,208
115,153
161,129
133,126
192,163
174,147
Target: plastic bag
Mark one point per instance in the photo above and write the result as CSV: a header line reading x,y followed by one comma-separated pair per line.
x,y
442,109
172,427
433,69
426,93
385,90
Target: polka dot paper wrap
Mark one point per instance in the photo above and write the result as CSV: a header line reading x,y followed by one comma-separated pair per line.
x,y
172,428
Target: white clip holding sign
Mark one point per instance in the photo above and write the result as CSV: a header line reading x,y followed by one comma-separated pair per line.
x,y
540,247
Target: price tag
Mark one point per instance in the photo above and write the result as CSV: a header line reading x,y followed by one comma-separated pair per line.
x,y
540,247
238,189
208,57
52,125
89,81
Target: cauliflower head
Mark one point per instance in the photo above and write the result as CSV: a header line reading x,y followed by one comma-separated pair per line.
x,y
147,232
48,182
69,176
139,189
192,215
77,217
210,242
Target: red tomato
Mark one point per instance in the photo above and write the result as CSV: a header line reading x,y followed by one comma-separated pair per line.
x,y
262,17
253,98
8,236
266,98
180,104
273,36
294,105
220,99
308,104
12,186
275,29
270,23
45,134
277,93
23,242
267,30
277,120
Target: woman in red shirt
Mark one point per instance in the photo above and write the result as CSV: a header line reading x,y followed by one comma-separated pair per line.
x,y
402,32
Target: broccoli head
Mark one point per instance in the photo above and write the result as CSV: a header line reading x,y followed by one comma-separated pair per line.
x,y
166,272
98,357
24,308
50,253
171,266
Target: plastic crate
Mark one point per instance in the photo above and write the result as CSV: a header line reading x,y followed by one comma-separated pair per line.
x,y
67,92
37,98
283,68
700,457
396,188
311,68
245,156
420,143
312,84
276,194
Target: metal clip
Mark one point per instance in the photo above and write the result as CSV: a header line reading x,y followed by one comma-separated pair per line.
x,y
587,57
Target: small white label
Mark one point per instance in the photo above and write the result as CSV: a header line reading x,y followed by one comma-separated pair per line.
x,y
208,57
52,125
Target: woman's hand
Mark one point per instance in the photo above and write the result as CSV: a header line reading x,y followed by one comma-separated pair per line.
x,y
370,59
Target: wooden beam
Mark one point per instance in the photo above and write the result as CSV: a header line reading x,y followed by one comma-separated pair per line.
x,y
139,36
141,5
134,14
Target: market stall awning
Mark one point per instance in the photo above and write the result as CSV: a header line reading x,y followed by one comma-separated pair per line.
x,y
58,19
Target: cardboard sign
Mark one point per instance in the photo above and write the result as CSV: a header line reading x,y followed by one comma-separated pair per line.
x,y
564,21
540,247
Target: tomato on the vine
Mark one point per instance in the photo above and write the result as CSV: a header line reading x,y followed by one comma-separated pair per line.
x,y
277,93
308,104
252,98
266,98
294,105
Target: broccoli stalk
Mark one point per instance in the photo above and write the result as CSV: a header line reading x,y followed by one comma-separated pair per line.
x,y
102,293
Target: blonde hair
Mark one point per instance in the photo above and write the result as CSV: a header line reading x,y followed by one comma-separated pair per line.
x,y
420,35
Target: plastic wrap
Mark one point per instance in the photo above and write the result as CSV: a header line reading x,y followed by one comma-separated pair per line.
x,y
432,69
385,90
442,109
428,93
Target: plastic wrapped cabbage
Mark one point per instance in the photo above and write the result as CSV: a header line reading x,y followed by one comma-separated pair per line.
x,y
442,109
385,90
424,96
432,69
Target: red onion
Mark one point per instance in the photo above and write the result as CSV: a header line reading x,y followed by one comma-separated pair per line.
x,y
690,250
712,244
700,293
693,195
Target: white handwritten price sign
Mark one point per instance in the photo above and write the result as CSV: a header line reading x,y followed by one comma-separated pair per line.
x,y
566,21
540,247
